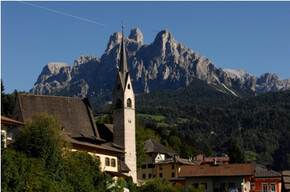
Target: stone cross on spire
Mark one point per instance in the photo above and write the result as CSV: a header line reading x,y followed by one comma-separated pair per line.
x,y
123,59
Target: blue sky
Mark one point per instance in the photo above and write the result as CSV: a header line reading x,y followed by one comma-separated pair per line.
x,y
253,36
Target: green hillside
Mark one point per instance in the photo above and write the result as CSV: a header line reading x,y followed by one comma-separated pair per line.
x,y
260,125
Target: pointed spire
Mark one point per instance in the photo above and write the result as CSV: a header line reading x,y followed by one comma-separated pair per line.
x,y
123,60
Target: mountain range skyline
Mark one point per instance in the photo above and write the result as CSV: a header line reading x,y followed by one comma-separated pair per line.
x,y
164,64
233,35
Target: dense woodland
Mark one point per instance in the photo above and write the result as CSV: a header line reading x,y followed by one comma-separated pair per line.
x,y
212,121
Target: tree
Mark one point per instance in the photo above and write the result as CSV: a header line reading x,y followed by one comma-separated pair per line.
x,y
41,138
175,143
7,102
158,185
81,172
207,150
20,173
41,160
236,154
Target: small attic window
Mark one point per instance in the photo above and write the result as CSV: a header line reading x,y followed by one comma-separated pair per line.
x,y
129,86
118,86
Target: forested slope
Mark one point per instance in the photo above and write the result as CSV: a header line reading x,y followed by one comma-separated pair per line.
x,y
260,124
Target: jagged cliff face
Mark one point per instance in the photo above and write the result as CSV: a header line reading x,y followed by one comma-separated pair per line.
x,y
164,64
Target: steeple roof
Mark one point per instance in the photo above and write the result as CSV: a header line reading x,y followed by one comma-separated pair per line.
x,y
123,59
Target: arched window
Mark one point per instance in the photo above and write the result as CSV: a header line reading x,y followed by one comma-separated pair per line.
x,y
107,161
118,104
129,87
129,102
113,162
98,158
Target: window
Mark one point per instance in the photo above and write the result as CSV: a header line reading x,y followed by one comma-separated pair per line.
x,y
252,185
118,86
129,87
113,162
172,166
195,185
273,187
172,174
98,158
160,175
129,102
264,187
150,175
151,166
107,161
160,167
9,135
144,166
144,176
118,104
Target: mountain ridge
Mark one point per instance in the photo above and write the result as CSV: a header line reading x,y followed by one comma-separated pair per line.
x,y
163,64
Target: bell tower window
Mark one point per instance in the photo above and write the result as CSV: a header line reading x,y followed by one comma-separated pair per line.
x,y
129,102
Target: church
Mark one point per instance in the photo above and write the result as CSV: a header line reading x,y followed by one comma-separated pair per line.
x,y
114,145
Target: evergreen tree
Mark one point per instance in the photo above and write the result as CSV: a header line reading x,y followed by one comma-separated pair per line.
x,y
236,154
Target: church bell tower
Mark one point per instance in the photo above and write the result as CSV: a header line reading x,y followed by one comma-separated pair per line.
x,y
124,113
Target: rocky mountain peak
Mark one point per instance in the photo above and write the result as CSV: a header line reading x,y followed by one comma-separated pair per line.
x,y
84,59
164,64
166,45
164,36
136,35
54,67
115,39
268,77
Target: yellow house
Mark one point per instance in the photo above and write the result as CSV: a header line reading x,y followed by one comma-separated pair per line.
x,y
161,162
169,169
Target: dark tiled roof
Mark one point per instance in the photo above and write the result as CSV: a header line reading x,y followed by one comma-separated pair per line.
x,y
246,169
96,147
123,168
153,146
106,131
8,121
75,114
263,172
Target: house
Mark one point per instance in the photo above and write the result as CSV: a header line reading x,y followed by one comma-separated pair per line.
x,y
9,129
266,180
161,162
286,181
77,122
169,169
155,152
227,177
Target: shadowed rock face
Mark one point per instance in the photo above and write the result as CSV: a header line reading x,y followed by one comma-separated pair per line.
x,y
164,64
